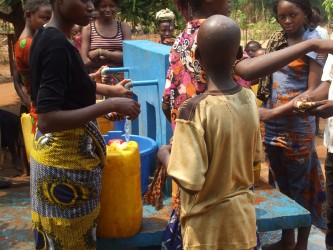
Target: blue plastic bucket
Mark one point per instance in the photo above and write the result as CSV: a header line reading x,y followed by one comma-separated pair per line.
x,y
147,149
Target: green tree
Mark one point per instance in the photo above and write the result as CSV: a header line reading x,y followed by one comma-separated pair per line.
x,y
12,11
328,6
141,14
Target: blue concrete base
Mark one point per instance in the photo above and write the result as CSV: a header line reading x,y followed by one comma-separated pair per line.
x,y
274,211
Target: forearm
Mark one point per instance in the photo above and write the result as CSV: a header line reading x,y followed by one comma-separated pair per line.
x,y
114,56
92,63
24,98
114,90
283,110
61,120
320,93
253,68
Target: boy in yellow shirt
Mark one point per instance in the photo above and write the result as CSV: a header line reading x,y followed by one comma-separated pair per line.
x,y
212,159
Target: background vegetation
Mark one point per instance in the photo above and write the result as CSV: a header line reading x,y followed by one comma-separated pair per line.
x,y
254,16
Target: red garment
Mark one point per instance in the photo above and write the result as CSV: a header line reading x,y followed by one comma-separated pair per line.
x,y
78,41
21,53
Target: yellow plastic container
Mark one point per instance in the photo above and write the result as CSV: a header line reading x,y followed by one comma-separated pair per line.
x,y
105,125
28,137
121,202
256,172
255,91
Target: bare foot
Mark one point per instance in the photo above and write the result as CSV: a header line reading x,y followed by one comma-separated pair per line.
x,y
279,246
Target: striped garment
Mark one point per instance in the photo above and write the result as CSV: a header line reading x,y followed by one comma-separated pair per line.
x,y
97,41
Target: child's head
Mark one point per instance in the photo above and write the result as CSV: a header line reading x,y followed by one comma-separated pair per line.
x,y
212,7
251,47
106,8
165,23
259,52
218,35
37,13
76,30
293,15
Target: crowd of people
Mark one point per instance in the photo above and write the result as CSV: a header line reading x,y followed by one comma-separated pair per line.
x,y
207,91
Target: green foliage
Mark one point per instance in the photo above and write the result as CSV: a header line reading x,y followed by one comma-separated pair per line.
x,y
260,31
328,6
141,14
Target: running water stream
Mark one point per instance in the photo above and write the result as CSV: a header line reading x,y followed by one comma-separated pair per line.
x,y
126,129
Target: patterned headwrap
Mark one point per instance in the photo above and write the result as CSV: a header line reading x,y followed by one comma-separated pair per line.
x,y
165,15
277,41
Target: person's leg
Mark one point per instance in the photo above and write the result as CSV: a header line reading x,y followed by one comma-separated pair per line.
x,y
319,132
287,241
302,238
278,166
329,195
10,125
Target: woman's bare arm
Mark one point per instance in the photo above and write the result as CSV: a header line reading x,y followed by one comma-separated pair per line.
x,y
61,120
253,68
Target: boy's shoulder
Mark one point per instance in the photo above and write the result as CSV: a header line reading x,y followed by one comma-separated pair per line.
x,y
187,110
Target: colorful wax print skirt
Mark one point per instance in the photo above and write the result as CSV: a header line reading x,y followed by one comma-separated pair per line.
x,y
65,187
298,174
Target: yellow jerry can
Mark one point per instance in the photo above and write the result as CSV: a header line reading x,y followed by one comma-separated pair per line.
x,y
28,136
121,202
105,125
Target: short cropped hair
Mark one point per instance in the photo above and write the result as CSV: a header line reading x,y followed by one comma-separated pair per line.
x,y
33,5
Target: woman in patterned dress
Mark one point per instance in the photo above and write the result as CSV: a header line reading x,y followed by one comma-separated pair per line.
x,y
68,150
289,140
